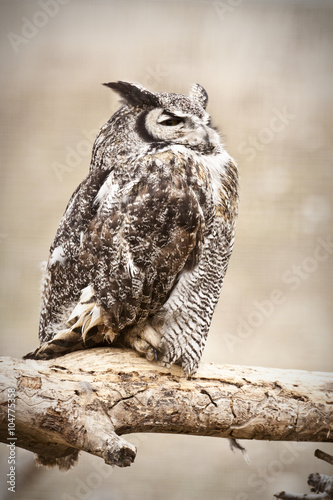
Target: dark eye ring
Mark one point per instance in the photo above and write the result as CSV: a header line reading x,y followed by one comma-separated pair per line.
x,y
171,122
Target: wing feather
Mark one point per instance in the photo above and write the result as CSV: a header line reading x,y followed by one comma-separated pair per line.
x,y
140,250
127,239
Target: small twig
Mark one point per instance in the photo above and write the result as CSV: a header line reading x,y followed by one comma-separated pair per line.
x,y
324,456
294,496
321,485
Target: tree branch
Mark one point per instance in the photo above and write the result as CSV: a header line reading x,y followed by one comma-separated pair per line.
x,y
321,484
87,399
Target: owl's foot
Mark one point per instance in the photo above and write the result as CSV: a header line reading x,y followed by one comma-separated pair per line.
x,y
173,354
145,340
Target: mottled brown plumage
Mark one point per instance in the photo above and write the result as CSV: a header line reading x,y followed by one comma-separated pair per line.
x,y
142,249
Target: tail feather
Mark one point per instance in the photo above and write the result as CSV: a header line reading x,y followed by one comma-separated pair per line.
x,y
83,307
65,341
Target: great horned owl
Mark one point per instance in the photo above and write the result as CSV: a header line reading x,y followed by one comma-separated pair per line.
x,y
142,249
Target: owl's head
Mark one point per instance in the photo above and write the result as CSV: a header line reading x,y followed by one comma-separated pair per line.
x,y
166,118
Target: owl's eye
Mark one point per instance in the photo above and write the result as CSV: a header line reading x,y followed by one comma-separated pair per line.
x,y
171,122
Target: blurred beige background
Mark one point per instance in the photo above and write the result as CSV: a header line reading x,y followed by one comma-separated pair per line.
x,y
267,67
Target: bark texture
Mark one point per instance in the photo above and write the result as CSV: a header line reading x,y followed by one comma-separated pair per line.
x,y
87,399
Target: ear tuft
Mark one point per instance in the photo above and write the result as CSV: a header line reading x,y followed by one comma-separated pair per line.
x,y
134,94
198,94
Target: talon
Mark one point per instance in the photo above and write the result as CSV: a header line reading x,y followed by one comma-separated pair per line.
x,y
150,335
140,345
151,354
145,340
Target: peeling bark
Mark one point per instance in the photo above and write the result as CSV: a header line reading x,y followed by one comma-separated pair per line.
x,y
87,399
